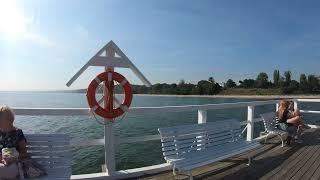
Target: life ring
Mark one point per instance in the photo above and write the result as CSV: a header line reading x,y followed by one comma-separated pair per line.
x,y
105,112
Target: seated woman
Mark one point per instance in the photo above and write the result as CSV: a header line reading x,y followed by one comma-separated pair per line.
x,y
285,122
293,113
11,139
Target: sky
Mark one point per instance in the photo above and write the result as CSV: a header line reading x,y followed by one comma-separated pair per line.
x,y
44,43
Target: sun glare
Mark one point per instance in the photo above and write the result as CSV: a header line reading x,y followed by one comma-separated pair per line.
x,y
12,20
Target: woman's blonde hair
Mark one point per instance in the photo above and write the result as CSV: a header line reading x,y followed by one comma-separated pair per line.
x,y
6,112
283,106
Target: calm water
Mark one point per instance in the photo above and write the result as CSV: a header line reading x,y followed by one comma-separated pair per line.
x,y
89,159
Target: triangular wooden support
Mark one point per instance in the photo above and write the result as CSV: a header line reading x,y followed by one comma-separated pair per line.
x,y
118,59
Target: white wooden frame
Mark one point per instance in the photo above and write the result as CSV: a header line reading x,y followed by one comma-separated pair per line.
x,y
201,109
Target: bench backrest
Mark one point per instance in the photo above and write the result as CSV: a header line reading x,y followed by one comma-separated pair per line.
x,y
269,121
52,151
180,141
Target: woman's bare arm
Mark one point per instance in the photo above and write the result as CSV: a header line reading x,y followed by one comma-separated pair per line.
x,y
294,120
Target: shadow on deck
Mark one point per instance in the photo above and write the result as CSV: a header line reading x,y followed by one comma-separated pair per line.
x,y
270,161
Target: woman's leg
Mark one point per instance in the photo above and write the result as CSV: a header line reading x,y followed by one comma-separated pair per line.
x,y
292,131
9,172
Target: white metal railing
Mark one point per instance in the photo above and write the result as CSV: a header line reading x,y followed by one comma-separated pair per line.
x,y
202,118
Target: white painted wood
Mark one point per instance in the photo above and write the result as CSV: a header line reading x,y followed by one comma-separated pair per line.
x,y
145,110
308,100
109,154
270,126
202,116
295,106
312,126
87,142
53,152
190,146
312,112
250,125
109,148
109,61
122,61
135,110
85,67
133,68
123,174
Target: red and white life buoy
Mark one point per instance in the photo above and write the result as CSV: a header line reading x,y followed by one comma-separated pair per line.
x,y
105,112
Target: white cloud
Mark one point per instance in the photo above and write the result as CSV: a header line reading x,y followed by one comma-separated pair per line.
x,y
15,25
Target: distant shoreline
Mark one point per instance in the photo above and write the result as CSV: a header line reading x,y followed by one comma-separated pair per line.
x,y
240,96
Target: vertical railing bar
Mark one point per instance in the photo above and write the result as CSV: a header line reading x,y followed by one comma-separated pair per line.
x,y
250,124
202,116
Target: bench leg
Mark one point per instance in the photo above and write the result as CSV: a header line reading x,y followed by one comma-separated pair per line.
x,y
265,140
190,175
249,160
282,143
174,170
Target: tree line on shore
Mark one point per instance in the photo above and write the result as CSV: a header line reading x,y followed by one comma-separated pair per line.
x,y
262,85
307,84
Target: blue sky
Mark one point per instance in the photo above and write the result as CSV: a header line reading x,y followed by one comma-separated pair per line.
x,y
43,43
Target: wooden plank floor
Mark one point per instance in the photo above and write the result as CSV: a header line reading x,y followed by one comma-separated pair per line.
x,y
270,161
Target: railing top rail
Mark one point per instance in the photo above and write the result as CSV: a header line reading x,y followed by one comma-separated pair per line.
x,y
308,100
137,110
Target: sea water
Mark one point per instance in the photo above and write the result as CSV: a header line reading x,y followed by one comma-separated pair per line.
x,y
89,159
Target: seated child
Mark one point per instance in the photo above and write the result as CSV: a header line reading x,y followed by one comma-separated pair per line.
x,y
12,145
9,156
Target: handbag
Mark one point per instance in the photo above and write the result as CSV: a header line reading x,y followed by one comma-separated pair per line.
x,y
31,169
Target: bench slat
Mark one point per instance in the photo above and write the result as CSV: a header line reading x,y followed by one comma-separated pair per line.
x,y
47,143
217,137
189,129
47,148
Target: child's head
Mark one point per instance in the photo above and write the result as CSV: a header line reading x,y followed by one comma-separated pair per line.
x,y
6,116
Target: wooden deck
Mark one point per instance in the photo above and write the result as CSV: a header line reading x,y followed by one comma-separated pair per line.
x,y
270,161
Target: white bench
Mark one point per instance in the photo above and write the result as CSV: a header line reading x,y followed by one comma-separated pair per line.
x,y
52,151
269,122
190,146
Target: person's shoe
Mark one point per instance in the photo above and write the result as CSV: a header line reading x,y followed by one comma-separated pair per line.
x,y
299,141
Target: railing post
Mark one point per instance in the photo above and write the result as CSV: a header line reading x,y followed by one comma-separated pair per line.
x,y
295,102
250,124
202,116
109,148
108,90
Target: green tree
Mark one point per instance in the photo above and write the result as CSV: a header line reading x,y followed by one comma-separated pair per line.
x,y
303,83
276,78
291,88
230,84
287,75
262,80
211,79
247,83
203,87
313,84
